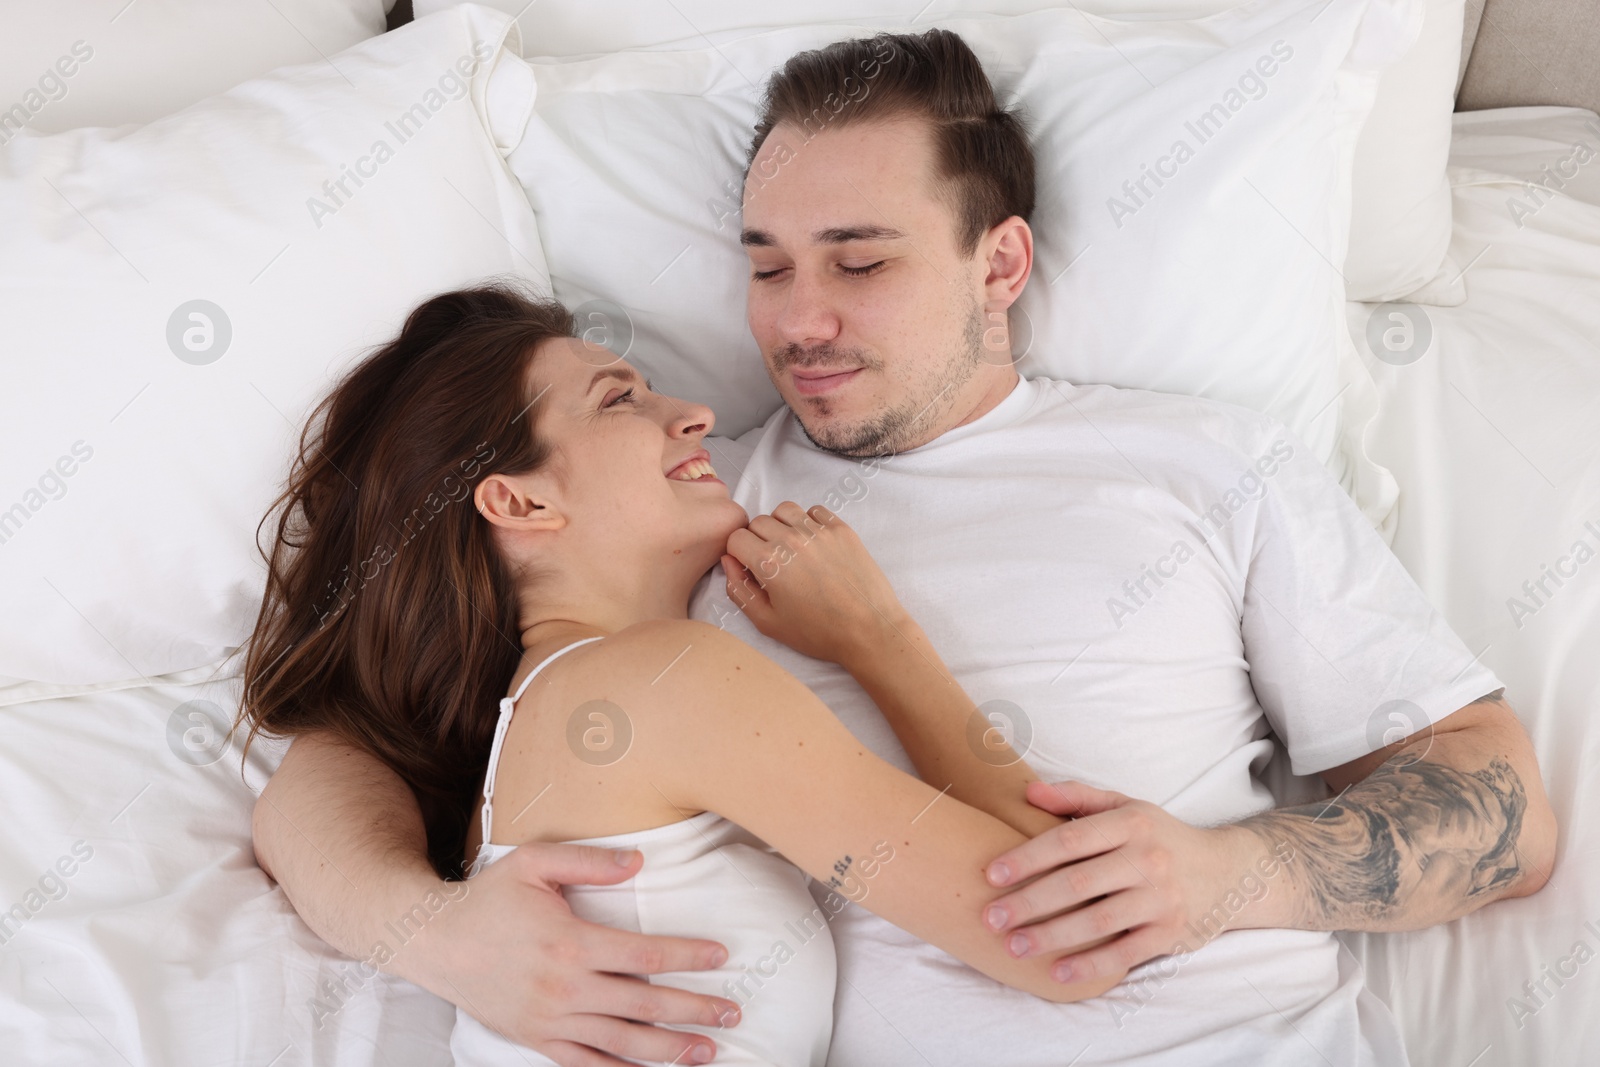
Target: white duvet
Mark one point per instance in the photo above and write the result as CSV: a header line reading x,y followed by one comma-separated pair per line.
x,y
165,946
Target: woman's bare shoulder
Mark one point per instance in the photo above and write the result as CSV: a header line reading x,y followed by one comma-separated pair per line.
x,y
657,649
683,669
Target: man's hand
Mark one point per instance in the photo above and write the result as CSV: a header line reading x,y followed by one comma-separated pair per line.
x,y
511,953
505,947
804,578
1155,874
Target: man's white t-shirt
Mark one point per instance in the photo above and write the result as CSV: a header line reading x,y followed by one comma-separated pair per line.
x,y
1134,587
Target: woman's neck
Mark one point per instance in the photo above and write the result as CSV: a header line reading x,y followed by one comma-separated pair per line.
x,y
594,616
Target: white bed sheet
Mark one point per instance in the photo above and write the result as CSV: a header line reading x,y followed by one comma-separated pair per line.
x,y
169,947
1492,437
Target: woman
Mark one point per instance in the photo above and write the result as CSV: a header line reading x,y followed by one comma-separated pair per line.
x,y
395,614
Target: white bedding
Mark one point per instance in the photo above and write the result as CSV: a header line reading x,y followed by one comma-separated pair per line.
x,y
1492,438
167,947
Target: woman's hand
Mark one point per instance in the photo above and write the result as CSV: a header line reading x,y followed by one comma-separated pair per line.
x,y
804,578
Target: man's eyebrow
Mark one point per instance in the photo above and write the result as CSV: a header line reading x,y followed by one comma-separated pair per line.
x,y
840,235
751,238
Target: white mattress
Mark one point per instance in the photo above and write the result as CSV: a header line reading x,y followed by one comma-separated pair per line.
x,y
169,947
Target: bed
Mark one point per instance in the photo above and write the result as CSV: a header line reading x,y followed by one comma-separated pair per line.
x,y
136,928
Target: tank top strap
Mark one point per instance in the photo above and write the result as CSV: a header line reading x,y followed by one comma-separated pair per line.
x,y
507,706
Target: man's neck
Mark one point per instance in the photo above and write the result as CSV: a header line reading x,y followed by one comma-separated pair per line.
x,y
996,384
998,390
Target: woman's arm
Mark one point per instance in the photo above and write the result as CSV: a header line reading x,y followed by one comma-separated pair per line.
x,y
949,740
805,579
727,730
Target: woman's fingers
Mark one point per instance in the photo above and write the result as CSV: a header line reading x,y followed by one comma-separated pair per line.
x,y
804,521
771,529
790,514
744,588
789,525
751,553
769,544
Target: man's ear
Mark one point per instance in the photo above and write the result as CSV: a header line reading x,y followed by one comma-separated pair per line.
x,y
1006,255
517,504
1007,250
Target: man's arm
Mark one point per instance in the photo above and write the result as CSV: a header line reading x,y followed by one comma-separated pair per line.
x,y
344,837
1422,832
1419,833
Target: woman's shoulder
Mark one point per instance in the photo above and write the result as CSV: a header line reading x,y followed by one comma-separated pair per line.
x,y
677,649
685,669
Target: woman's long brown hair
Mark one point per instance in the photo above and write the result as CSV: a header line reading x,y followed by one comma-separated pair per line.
x,y
390,618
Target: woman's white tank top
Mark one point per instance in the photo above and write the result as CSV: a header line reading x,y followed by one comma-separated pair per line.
x,y
702,877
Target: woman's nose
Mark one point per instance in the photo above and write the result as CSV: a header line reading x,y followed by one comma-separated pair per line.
x,y
689,418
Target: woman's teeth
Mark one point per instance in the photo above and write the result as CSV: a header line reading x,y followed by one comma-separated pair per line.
x,y
697,468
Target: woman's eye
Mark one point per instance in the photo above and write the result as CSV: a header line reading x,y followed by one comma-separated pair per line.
x,y
861,272
625,395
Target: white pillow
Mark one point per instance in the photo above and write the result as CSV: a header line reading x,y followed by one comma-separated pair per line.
x,y
1400,219
593,27
133,468
108,62
1555,151
1220,285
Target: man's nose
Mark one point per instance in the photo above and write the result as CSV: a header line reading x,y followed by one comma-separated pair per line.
x,y
808,315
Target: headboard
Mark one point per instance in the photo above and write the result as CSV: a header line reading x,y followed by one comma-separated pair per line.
x,y
1516,53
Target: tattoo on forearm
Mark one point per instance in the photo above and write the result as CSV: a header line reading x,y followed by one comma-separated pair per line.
x,y
1413,833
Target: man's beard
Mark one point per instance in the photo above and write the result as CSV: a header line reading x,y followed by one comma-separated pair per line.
x,y
902,427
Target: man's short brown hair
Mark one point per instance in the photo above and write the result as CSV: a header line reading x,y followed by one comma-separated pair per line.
x,y
982,160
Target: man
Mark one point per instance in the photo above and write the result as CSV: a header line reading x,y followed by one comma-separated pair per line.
x,y
1135,589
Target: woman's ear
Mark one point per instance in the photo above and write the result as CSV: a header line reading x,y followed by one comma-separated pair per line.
x,y
517,504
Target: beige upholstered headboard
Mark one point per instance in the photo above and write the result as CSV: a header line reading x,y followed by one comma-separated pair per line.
x,y
1520,52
